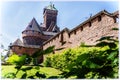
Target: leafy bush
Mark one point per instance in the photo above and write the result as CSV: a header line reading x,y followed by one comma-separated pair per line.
x,y
100,61
19,61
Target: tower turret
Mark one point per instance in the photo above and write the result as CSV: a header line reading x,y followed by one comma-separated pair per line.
x,y
50,17
32,35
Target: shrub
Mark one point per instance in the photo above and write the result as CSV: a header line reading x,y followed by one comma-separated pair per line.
x,y
100,61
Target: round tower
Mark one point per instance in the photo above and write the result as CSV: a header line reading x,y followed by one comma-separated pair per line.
x,y
32,35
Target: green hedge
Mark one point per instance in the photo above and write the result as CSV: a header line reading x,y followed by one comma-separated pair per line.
x,y
87,62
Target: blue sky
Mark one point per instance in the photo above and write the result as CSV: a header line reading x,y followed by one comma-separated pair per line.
x,y
15,15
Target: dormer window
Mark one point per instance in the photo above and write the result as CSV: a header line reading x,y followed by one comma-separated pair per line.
x,y
30,26
99,18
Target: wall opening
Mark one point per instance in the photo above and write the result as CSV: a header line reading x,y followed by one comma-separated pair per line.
x,y
69,35
81,28
75,32
116,20
89,24
99,18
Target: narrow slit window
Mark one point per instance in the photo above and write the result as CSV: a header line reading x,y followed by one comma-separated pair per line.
x,y
81,28
75,32
69,35
99,18
89,24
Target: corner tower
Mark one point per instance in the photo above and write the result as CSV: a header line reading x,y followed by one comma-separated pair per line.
x,y
50,18
32,35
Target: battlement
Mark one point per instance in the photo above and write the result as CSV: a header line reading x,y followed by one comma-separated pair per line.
x,y
88,32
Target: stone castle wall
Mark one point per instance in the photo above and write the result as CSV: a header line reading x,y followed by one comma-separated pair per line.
x,y
87,32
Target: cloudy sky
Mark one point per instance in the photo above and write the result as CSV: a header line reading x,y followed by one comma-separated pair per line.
x,y
15,15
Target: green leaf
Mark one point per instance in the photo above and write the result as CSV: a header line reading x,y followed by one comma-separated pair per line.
x,y
49,50
58,49
24,76
112,55
40,75
115,28
37,54
116,60
103,43
37,67
83,57
31,77
89,64
10,75
27,68
18,67
105,38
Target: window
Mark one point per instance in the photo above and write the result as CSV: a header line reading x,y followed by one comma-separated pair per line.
x,y
69,35
58,36
81,28
116,20
20,47
89,24
61,37
55,31
30,26
99,18
75,32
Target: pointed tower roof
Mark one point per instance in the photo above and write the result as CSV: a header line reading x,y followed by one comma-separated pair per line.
x,y
18,42
51,6
33,25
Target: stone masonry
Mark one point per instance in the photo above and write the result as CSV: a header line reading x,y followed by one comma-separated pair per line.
x,y
41,36
88,32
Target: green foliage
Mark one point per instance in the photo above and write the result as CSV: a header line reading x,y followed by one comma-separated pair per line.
x,y
16,59
115,28
40,75
19,61
48,71
48,50
48,62
10,75
100,61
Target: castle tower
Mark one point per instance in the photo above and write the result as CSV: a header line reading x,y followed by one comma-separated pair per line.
x,y
50,18
32,35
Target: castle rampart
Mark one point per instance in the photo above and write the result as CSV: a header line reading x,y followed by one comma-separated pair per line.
x,y
88,32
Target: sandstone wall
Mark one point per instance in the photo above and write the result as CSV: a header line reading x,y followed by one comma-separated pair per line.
x,y
86,33
20,50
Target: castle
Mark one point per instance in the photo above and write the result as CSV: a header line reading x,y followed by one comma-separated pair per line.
x,y
47,34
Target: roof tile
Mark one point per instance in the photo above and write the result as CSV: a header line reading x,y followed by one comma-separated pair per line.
x,y
18,42
33,25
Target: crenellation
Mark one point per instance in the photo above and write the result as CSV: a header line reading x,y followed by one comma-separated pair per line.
x,y
47,34
87,32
